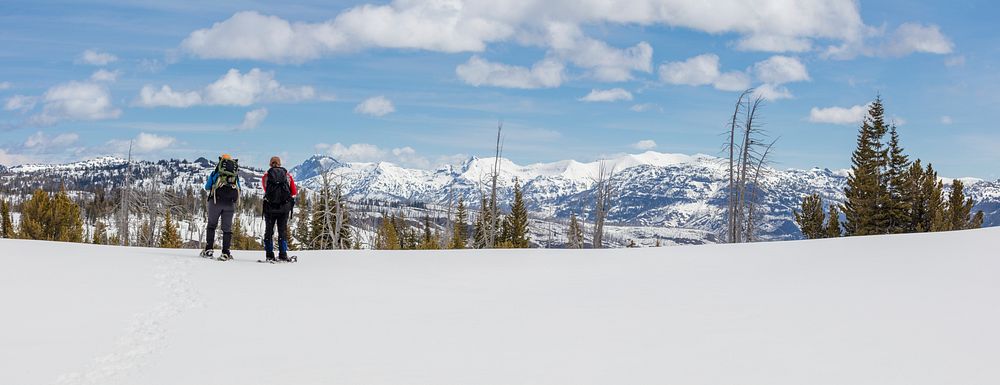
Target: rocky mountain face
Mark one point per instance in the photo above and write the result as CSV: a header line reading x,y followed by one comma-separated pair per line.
x,y
654,190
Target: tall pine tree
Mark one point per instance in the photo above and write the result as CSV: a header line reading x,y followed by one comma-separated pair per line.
x,y
899,187
6,223
302,232
810,218
169,237
866,187
832,228
459,235
515,234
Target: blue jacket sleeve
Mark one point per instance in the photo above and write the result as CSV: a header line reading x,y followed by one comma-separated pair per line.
x,y
211,181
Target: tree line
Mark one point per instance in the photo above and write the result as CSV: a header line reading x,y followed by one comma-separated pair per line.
x,y
886,193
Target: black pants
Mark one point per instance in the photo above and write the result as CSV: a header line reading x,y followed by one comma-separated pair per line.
x,y
225,212
280,219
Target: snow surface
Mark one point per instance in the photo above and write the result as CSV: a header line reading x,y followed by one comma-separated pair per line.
x,y
909,309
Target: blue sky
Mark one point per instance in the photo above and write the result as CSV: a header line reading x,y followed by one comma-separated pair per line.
x,y
423,83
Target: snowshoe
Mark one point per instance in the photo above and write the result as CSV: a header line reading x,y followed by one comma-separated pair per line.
x,y
291,259
207,253
225,257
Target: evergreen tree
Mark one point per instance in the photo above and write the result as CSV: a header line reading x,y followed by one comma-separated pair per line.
x,y
100,234
574,235
52,218
169,237
810,218
516,224
957,210
302,233
832,229
242,240
899,191
866,187
388,235
916,199
460,235
6,223
931,193
430,239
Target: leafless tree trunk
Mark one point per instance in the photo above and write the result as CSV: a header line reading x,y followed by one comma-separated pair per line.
x,y
604,193
743,187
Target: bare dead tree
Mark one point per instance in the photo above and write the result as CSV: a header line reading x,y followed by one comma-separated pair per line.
x,y
603,194
494,222
746,163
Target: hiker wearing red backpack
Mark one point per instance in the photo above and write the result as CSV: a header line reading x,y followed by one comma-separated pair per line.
x,y
279,199
223,187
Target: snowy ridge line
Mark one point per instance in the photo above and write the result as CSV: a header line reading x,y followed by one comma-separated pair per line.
x,y
657,190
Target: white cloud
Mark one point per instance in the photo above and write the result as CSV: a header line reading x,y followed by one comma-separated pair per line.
x,y
647,144
471,25
696,71
364,152
946,120
143,143
916,38
611,95
103,75
96,58
772,92
646,107
838,115
40,140
232,89
375,106
480,72
20,103
166,97
605,63
4,85
703,70
780,70
13,159
76,101
253,118
732,81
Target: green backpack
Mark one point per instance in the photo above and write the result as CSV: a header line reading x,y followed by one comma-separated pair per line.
x,y
228,170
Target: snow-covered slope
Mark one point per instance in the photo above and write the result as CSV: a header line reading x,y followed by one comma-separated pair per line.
x,y
908,310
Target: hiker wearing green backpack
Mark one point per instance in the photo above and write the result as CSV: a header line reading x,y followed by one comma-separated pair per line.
x,y
223,186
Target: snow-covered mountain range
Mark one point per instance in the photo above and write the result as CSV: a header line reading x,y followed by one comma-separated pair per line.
x,y
654,190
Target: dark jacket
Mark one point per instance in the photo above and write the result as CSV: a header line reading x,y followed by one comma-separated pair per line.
x,y
271,207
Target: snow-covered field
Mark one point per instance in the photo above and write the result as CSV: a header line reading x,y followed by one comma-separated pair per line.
x,y
910,309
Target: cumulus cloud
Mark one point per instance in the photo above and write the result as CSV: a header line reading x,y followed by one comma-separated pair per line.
x,y
40,140
771,92
75,101
454,26
143,143
838,115
703,70
20,103
253,118
480,72
375,106
103,75
365,152
471,25
165,96
917,38
780,70
232,89
645,145
611,95
96,58
12,159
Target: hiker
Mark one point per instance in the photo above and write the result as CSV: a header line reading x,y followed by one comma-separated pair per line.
x,y
279,200
223,186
